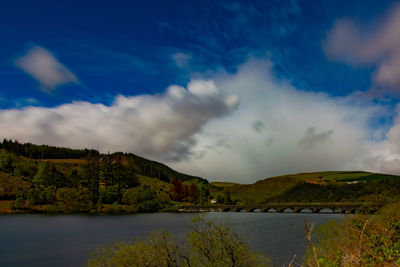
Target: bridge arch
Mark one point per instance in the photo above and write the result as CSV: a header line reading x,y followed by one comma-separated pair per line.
x,y
270,209
325,210
287,210
305,210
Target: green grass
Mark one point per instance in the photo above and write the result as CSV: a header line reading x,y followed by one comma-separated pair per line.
x,y
351,175
223,184
331,186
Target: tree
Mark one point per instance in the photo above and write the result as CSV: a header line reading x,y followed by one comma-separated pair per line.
x,y
207,245
43,174
92,173
194,193
74,199
178,192
204,193
114,173
227,197
142,197
220,245
25,168
109,194
5,162
73,178
68,196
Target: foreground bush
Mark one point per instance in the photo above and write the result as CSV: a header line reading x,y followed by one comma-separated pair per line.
x,y
207,245
358,241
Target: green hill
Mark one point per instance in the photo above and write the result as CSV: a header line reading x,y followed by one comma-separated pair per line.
x,y
52,179
46,178
62,155
333,186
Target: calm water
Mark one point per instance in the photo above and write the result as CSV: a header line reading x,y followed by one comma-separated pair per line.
x,y
66,240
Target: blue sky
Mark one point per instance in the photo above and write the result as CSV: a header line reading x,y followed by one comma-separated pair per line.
x,y
126,47
121,53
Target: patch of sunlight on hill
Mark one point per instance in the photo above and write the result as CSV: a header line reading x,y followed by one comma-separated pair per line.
x,y
223,184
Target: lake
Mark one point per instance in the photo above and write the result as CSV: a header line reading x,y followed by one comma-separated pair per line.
x,y
66,240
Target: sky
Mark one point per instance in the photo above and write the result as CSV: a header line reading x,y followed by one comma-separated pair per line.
x,y
226,90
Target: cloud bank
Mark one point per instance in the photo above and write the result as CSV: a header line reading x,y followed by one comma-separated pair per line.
x,y
376,44
157,126
45,68
279,129
204,130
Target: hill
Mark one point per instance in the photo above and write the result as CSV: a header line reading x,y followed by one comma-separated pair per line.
x,y
54,179
59,155
333,186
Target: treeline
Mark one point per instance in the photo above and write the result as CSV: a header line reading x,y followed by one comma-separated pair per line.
x,y
44,151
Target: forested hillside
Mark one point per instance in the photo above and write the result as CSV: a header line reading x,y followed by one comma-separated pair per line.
x,y
138,164
40,178
45,178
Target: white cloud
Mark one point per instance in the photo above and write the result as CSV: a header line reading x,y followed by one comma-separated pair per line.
x,y
45,68
203,130
181,59
158,126
301,131
377,44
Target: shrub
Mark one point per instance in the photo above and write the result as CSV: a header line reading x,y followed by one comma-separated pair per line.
x,y
73,199
142,198
19,203
114,208
109,194
206,245
358,241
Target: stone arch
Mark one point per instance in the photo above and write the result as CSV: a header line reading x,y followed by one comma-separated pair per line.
x,y
326,210
250,209
287,210
305,210
270,209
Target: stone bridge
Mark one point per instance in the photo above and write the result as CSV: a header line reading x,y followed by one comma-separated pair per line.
x,y
345,208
